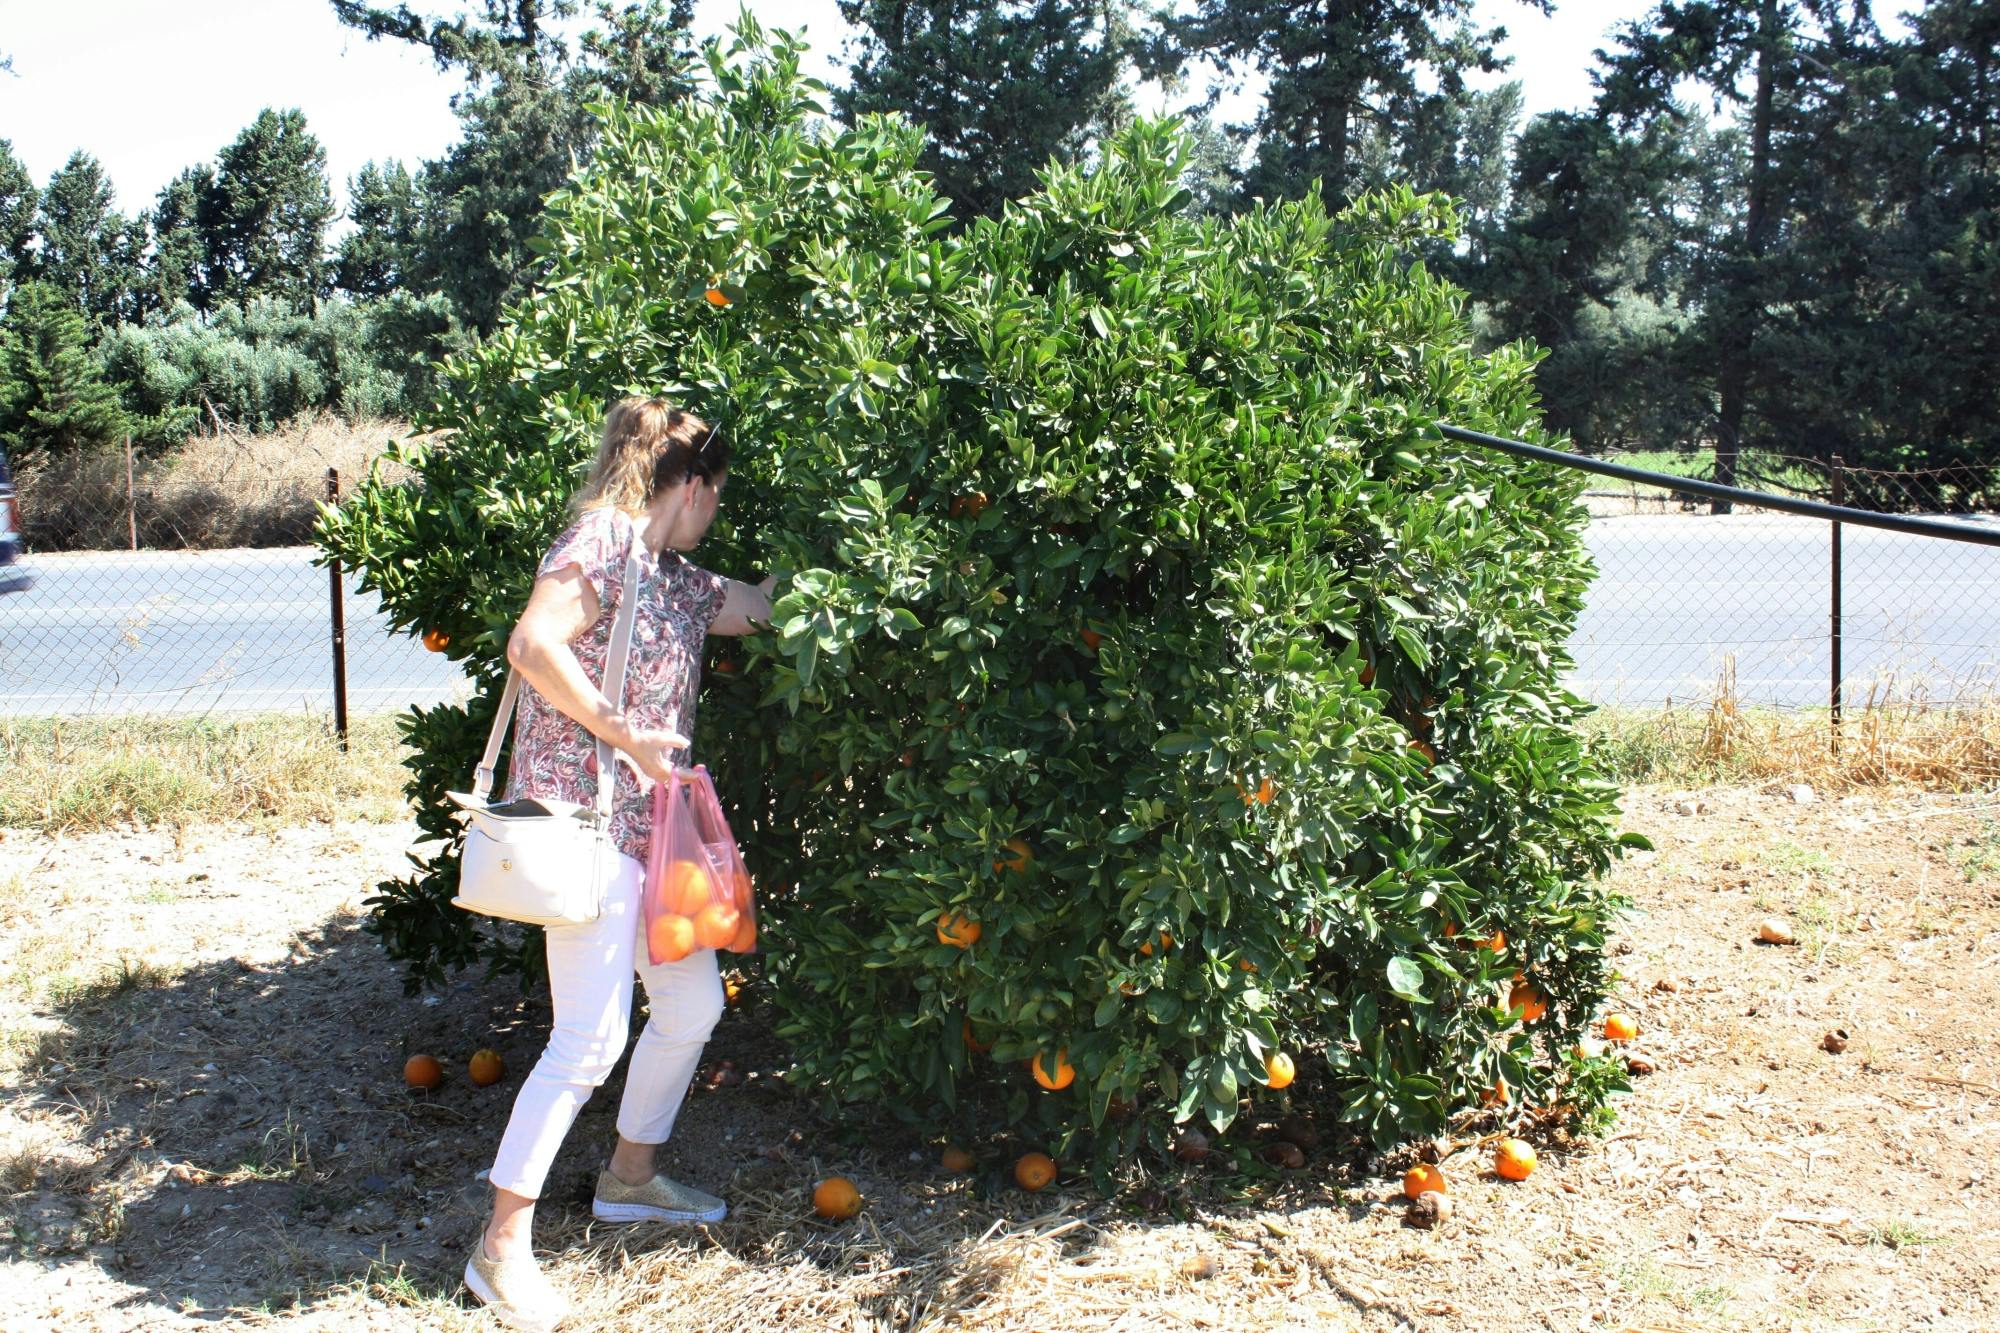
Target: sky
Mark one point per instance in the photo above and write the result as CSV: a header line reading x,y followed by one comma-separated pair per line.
x,y
149,87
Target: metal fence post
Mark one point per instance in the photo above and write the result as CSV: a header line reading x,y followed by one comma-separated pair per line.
x,y
334,588
131,496
1834,692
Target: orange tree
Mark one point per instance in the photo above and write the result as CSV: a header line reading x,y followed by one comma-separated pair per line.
x,y
1151,691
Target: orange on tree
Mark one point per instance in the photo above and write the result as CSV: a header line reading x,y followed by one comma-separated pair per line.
x,y
969,506
1022,856
955,1159
958,930
732,990
1034,1171
670,938
1266,790
1278,1070
1058,1074
1091,638
423,1071
1620,1027
436,640
1497,941
714,295
1166,943
1423,1176
965,1030
485,1068
1513,1160
1497,1095
1526,999
836,1198
1125,819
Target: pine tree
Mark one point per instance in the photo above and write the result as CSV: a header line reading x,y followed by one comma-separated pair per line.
x,y
177,269
377,257
84,246
1339,71
264,219
18,201
526,120
53,396
1774,62
1001,89
1587,262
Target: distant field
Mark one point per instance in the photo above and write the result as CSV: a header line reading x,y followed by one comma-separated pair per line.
x,y
1754,471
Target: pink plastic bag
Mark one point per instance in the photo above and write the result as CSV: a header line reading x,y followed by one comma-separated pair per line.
x,y
727,861
697,892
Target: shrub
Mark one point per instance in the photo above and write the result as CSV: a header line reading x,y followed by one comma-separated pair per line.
x,y
1128,598
259,365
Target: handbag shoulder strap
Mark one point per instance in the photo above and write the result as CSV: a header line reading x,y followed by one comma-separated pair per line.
x,y
617,655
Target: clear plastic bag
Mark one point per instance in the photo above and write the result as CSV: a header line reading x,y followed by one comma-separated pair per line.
x,y
697,893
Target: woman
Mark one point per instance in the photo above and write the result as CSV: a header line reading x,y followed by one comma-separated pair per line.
x,y
657,482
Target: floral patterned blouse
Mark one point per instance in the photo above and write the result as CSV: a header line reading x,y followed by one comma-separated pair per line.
x,y
555,757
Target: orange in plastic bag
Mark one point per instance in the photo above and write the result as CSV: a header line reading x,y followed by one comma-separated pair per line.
x,y
697,890
732,877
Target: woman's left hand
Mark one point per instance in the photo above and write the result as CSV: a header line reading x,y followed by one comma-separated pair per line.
x,y
745,608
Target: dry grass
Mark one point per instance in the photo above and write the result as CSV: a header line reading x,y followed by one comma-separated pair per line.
x,y
1889,736
75,774
232,489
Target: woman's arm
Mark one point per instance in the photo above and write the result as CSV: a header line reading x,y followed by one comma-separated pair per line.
x,y
745,609
562,606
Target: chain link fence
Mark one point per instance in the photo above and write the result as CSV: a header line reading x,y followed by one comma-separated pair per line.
x,y
186,585
1769,608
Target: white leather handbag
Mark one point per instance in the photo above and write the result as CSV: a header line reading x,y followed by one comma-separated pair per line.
x,y
545,862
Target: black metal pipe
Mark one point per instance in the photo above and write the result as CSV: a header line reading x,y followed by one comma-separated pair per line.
x,y
335,591
1833,697
1784,504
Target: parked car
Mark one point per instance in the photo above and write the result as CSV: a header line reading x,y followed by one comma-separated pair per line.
x,y
14,575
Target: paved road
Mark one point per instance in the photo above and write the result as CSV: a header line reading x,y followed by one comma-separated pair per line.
x,y
1676,596
195,632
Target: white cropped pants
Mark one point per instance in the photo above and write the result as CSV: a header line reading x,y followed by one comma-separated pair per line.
x,y
590,980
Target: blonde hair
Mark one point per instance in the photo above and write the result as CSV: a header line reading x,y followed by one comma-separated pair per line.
x,y
649,445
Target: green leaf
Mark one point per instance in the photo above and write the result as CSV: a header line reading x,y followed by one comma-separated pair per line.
x,y
1406,978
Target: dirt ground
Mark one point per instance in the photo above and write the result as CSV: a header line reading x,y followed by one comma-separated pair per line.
x,y
202,1122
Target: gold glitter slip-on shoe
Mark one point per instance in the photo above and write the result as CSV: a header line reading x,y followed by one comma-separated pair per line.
x,y
516,1290
658,1200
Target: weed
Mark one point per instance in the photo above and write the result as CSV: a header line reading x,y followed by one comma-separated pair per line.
x,y
1819,924
1895,734
284,1153
81,774
392,1283
1791,859
42,965
105,1220
1899,1233
1649,1280
1981,858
